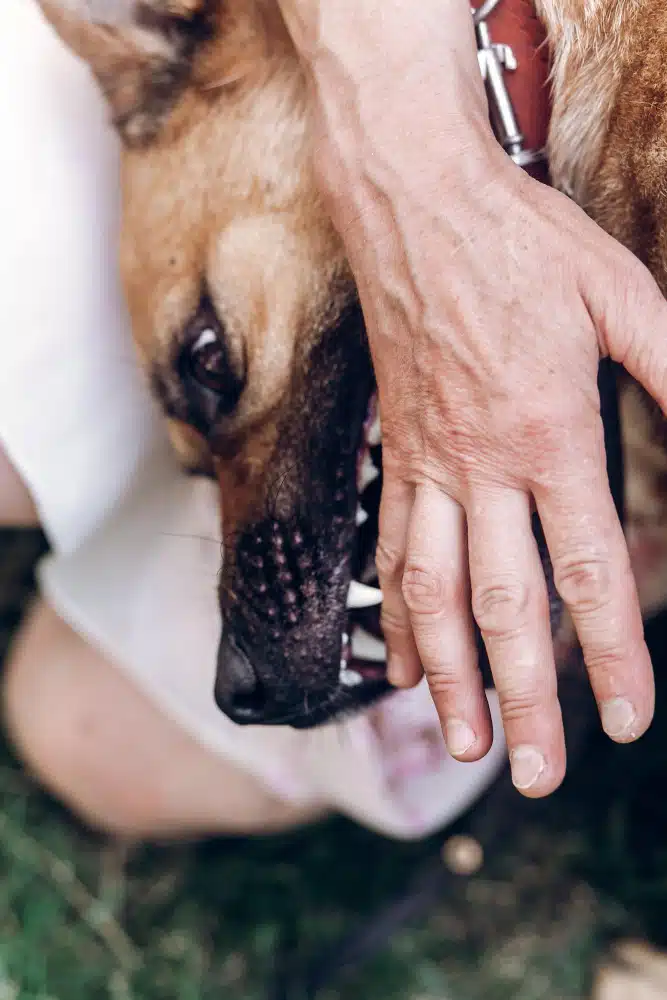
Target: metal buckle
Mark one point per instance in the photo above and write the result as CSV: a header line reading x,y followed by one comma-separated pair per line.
x,y
495,59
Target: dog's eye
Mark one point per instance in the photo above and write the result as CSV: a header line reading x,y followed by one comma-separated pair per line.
x,y
212,384
208,361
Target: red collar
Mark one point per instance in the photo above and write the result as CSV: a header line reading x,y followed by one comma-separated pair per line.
x,y
514,60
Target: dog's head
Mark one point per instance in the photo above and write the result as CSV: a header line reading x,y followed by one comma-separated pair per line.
x,y
246,319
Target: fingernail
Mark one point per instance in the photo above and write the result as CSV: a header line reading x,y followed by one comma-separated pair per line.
x,y
619,719
527,766
459,737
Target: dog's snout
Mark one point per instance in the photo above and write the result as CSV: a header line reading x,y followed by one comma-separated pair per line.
x,y
239,693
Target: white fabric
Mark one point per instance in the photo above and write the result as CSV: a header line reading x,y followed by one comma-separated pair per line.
x,y
135,549
73,414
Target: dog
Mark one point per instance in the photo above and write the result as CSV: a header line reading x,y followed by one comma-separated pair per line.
x,y
246,317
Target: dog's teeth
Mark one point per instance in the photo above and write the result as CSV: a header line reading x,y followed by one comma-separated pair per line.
x,y
361,596
367,647
374,431
361,516
350,678
368,473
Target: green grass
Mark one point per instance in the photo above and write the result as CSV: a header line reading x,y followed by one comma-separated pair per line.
x,y
82,919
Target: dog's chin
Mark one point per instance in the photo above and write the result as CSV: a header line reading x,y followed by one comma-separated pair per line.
x,y
341,704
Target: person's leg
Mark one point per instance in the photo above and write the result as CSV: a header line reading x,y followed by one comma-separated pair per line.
x,y
17,509
99,745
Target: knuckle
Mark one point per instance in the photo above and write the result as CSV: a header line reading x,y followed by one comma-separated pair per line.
x,y
393,623
398,453
388,562
516,706
584,582
500,606
443,680
545,439
425,590
532,422
605,658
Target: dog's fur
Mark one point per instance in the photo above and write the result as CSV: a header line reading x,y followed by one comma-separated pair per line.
x,y
224,228
608,150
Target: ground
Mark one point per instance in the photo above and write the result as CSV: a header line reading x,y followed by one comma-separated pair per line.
x,y
83,919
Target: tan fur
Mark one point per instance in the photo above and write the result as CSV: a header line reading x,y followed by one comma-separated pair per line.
x,y
591,43
225,195
236,207
224,192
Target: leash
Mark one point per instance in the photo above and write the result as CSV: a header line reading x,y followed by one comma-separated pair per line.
x,y
515,71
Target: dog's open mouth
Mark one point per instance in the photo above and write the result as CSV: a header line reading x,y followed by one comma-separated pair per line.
x,y
363,651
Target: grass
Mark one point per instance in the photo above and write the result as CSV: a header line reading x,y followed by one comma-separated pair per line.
x,y
84,919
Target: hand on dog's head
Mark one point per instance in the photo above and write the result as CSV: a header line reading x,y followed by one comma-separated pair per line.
x,y
244,313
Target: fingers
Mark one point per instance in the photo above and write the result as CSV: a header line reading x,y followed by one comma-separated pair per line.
x,y
436,592
511,607
404,667
593,575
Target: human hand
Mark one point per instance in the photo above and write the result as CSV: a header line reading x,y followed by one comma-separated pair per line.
x,y
488,310
489,300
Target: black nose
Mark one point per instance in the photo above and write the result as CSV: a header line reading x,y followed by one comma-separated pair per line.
x,y
238,691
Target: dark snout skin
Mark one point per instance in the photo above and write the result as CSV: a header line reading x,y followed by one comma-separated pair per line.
x,y
284,590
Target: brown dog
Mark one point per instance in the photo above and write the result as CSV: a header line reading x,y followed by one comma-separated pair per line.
x,y
245,312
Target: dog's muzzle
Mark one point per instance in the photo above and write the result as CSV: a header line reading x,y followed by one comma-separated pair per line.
x,y
250,690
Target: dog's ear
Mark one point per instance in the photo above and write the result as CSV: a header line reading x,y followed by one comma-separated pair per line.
x,y
140,51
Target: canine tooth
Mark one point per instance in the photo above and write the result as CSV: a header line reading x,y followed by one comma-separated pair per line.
x,y
361,596
350,678
374,432
361,516
368,472
366,647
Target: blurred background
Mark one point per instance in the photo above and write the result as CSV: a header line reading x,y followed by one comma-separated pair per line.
x,y
82,918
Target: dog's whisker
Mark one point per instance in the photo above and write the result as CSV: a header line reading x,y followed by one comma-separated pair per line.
x,y
275,489
194,538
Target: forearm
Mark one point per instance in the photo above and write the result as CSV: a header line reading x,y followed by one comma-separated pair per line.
x,y
412,67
